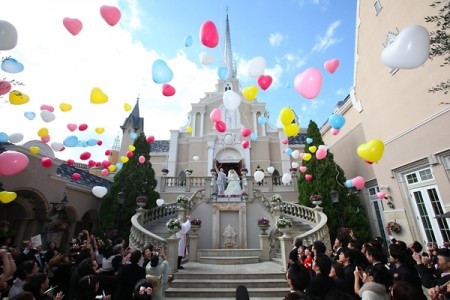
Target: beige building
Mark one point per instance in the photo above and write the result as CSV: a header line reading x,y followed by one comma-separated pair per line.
x,y
394,105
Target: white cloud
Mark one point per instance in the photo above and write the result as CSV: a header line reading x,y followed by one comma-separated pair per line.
x,y
275,39
323,42
295,60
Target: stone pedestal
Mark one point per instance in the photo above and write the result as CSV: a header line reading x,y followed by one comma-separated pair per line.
x,y
286,247
172,253
265,247
193,246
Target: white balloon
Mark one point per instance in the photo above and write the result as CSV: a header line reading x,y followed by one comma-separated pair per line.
x,y
8,35
231,100
47,116
206,59
295,154
270,169
409,50
256,67
57,146
195,157
15,138
160,202
99,191
324,147
287,178
259,176
295,165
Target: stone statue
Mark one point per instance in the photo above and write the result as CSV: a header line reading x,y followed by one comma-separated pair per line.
x,y
229,237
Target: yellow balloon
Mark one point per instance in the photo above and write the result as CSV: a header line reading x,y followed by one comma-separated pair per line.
x,y
131,148
43,132
250,92
372,151
127,106
291,130
34,149
286,116
307,156
99,130
189,129
312,149
98,97
112,168
65,107
17,98
124,159
6,197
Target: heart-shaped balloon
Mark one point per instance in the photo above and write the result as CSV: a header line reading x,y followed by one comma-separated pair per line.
x,y
294,165
11,65
85,155
57,146
307,156
336,121
410,48
29,115
245,132
6,197
47,116
285,141
372,151
99,191
71,141
161,73
220,126
112,168
245,144
321,154
106,164
34,149
188,41
286,116
98,97
308,83
42,132
45,139
262,120
331,65
105,172
312,149
215,115
206,58
8,35
15,137
12,162
189,129
209,35
295,154
256,66
76,176
124,159
291,130
168,90
222,72
17,98
308,177
335,131
258,175
150,139
231,100
83,127
303,169
250,92
159,202
286,178
46,162
264,81
358,182
381,195
73,25
65,107
110,14
127,107
99,130
5,86
131,148
47,107
309,140
72,127
270,170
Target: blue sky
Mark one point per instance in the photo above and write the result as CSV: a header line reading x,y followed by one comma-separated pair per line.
x,y
59,67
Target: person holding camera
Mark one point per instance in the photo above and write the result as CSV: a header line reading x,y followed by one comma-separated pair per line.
x,y
158,273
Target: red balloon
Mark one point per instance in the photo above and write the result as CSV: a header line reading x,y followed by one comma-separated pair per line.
x,y
285,141
308,177
91,163
85,155
108,152
106,164
246,132
220,126
245,144
76,176
264,81
98,164
150,139
129,154
46,162
209,35
99,142
82,127
168,90
70,162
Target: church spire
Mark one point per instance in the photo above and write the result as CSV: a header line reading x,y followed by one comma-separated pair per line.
x,y
227,52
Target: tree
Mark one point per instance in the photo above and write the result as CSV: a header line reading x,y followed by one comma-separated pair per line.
x,y
440,40
327,175
134,179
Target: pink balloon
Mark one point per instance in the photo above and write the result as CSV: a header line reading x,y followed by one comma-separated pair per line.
x,y
381,195
46,162
150,139
5,87
168,90
106,164
70,162
335,131
12,162
220,126
74,26
285,141
72,127
105,172
264,81
308,177
45,139
76,176
216,115
321,153
141,159
331,65
246,132
358,182
209,35
303,169
245,144
47,107
308,83
110,14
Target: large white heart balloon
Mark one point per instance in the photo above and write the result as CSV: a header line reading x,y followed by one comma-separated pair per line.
x,y
231,100
99,191
409,50
160,202
287,178
256,67
295,154
259,176
270,169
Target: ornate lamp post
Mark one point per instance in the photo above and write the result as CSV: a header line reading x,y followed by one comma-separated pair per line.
x,y
334,195
121,196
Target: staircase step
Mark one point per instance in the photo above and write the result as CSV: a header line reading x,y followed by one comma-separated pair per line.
x,y
228,252
237,260
225,292
229,283
216,275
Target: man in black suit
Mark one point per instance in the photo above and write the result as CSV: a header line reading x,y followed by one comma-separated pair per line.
x,y
427,275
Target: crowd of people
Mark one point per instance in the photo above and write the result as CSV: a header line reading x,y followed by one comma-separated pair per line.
x,y
368,271
89,269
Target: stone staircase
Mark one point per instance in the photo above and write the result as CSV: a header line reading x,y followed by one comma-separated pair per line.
x,y
228,257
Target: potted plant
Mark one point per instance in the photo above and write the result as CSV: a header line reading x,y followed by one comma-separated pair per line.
x,y
316,199
263,224
276,199
283,223
182,200
196,224
165,171
173,225
393,227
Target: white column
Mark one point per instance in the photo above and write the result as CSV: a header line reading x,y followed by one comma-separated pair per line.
x,y
194,121
173,150
263,129
210,156
247,159
202,122
255,123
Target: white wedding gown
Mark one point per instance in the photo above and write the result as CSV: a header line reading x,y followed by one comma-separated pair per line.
x,y
234,185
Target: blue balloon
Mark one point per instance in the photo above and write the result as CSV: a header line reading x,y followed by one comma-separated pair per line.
x,y
11,65
188,41
71,141
3,137
133,135
288,151
349,183
83,144
223,73
309,140
253,136
161,72
119,166
262,120
29,115
91,142
336,121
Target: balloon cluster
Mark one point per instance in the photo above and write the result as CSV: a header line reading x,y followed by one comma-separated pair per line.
x,y
288,119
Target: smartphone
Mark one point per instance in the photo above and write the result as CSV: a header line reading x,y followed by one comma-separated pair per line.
x,y
424,254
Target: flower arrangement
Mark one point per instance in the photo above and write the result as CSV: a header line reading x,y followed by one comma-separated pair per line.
x,y
196,221
183,200
173,224
263,221
393,226
315,197
283,223
277,199
165,171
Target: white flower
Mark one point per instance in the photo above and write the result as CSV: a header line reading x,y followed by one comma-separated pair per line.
x,y
181,199
283,223
277,198
173,224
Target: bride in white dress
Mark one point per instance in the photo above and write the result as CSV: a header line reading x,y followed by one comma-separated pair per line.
x,y
234,186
